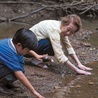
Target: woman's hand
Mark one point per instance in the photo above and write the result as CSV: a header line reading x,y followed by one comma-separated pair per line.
x,y
37,56
41,57
84,67
82,72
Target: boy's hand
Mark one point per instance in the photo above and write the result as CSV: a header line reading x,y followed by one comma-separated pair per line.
x,y
38,95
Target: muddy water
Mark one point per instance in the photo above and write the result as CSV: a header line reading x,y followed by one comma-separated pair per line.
x,y
81,86
7,30
93,26
94,40
77,86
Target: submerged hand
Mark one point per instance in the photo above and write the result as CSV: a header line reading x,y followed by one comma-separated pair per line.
x,y
84,67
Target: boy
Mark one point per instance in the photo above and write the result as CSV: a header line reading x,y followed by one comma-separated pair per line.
x,y
11,58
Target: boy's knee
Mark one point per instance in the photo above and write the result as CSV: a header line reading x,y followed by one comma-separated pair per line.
x,y
6,75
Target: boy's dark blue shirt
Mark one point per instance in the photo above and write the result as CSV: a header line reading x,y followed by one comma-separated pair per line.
x,y
10,57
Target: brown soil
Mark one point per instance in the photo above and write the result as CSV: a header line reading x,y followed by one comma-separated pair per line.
x,y
45,80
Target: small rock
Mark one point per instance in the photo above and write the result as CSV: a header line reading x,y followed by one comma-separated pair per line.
x,y
90,83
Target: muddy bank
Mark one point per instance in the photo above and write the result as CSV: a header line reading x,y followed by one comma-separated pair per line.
x,y
32,11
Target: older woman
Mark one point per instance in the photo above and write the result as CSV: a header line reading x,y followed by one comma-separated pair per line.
x,y
52,35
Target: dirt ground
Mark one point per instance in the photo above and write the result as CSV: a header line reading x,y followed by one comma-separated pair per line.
x,y
46,80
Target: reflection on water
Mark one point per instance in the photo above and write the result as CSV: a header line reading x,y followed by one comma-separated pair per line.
x,y
93,26
88,86
90,25
94,39
80,87
7,30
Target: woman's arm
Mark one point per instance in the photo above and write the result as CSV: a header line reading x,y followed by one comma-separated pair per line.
x,y
75,58
22,78
73,67
73,54
37,56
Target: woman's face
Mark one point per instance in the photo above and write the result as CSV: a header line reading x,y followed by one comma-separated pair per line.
x,y
67,30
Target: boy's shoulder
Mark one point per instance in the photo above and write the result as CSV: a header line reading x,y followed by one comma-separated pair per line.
x,y
4,40
5,45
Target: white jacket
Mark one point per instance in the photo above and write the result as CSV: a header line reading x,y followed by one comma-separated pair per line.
x,y
51,29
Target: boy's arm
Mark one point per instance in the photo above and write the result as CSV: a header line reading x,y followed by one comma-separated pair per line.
x,y
22,78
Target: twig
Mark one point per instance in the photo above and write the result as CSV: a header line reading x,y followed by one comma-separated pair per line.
x,y
23,16
73,6
89,8
11,2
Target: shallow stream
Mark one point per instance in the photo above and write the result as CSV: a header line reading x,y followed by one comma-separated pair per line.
x,y
78,86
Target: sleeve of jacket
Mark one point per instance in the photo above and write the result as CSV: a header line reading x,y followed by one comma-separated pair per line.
x,y
68,45
57,47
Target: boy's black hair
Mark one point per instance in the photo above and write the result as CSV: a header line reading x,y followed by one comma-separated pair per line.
x,y
27,39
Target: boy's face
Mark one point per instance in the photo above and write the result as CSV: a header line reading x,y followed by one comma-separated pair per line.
x,y
67,30
20,50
